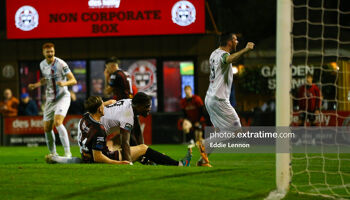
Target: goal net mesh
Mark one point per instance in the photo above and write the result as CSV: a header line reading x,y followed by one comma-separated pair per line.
x,y
321,49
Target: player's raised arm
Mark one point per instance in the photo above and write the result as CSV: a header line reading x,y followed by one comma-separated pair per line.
x,y
32,86
236,56
99,157
71,80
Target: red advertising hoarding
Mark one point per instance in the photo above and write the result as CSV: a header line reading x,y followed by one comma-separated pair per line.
x,y
30,129
327,118
33,124
98,18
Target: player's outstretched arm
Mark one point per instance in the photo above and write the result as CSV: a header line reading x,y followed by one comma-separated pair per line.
x,y
109,102
71,80
236,56
125,144
32,86
100,158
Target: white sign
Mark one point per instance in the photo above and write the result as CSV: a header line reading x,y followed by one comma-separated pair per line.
x,y
26,18
183,13
298,73
104,3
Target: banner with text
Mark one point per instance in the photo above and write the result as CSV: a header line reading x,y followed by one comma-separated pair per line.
x,y
29,130
99,18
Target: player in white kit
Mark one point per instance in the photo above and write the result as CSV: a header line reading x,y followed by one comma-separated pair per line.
x,y
121,115
56,76
222,114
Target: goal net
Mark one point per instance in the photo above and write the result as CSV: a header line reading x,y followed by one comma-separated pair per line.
x,y
321,50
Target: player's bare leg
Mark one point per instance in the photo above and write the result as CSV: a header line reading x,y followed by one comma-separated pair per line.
x,y
137,151
62,132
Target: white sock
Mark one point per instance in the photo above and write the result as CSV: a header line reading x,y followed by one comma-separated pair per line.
x,y
62,132
50,141
65,160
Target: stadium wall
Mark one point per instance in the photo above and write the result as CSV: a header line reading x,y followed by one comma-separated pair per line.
x,y
167,47
196,47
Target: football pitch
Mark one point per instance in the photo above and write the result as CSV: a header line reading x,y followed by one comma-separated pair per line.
x,y
25,175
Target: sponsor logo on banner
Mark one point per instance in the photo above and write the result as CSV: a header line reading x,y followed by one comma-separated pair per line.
x,y
183,13
143,75
23,124
326,118
29,130
26,18
8,71
104,3
35,125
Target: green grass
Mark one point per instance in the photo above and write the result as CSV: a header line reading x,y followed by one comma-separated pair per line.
x,y
25,175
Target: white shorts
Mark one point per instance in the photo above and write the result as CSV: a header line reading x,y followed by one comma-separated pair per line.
x,y
58,107
222,114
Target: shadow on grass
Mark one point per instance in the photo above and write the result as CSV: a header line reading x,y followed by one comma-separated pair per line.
x,y
126,183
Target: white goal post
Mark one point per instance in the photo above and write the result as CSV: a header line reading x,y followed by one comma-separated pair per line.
x,y
283,102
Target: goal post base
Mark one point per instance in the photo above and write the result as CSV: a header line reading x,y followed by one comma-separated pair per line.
x,y
276,195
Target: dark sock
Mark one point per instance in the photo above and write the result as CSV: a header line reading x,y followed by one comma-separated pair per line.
x,y
160,158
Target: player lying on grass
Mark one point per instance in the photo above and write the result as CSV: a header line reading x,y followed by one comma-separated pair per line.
x,y
92,141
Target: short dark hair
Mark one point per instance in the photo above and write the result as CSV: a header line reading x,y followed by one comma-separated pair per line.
x,y
224,37
48,45
92,104
112,60
141,99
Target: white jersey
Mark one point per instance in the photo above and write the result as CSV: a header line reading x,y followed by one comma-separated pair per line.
x,y
119,115
221,75
52,73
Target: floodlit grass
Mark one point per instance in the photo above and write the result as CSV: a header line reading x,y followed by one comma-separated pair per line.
x,y
25,175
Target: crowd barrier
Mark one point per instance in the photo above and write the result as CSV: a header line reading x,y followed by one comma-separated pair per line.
x,y
29,130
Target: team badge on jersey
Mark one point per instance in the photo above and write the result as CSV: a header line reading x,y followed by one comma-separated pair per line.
x,y
26,18
128,127
183,13
66,69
